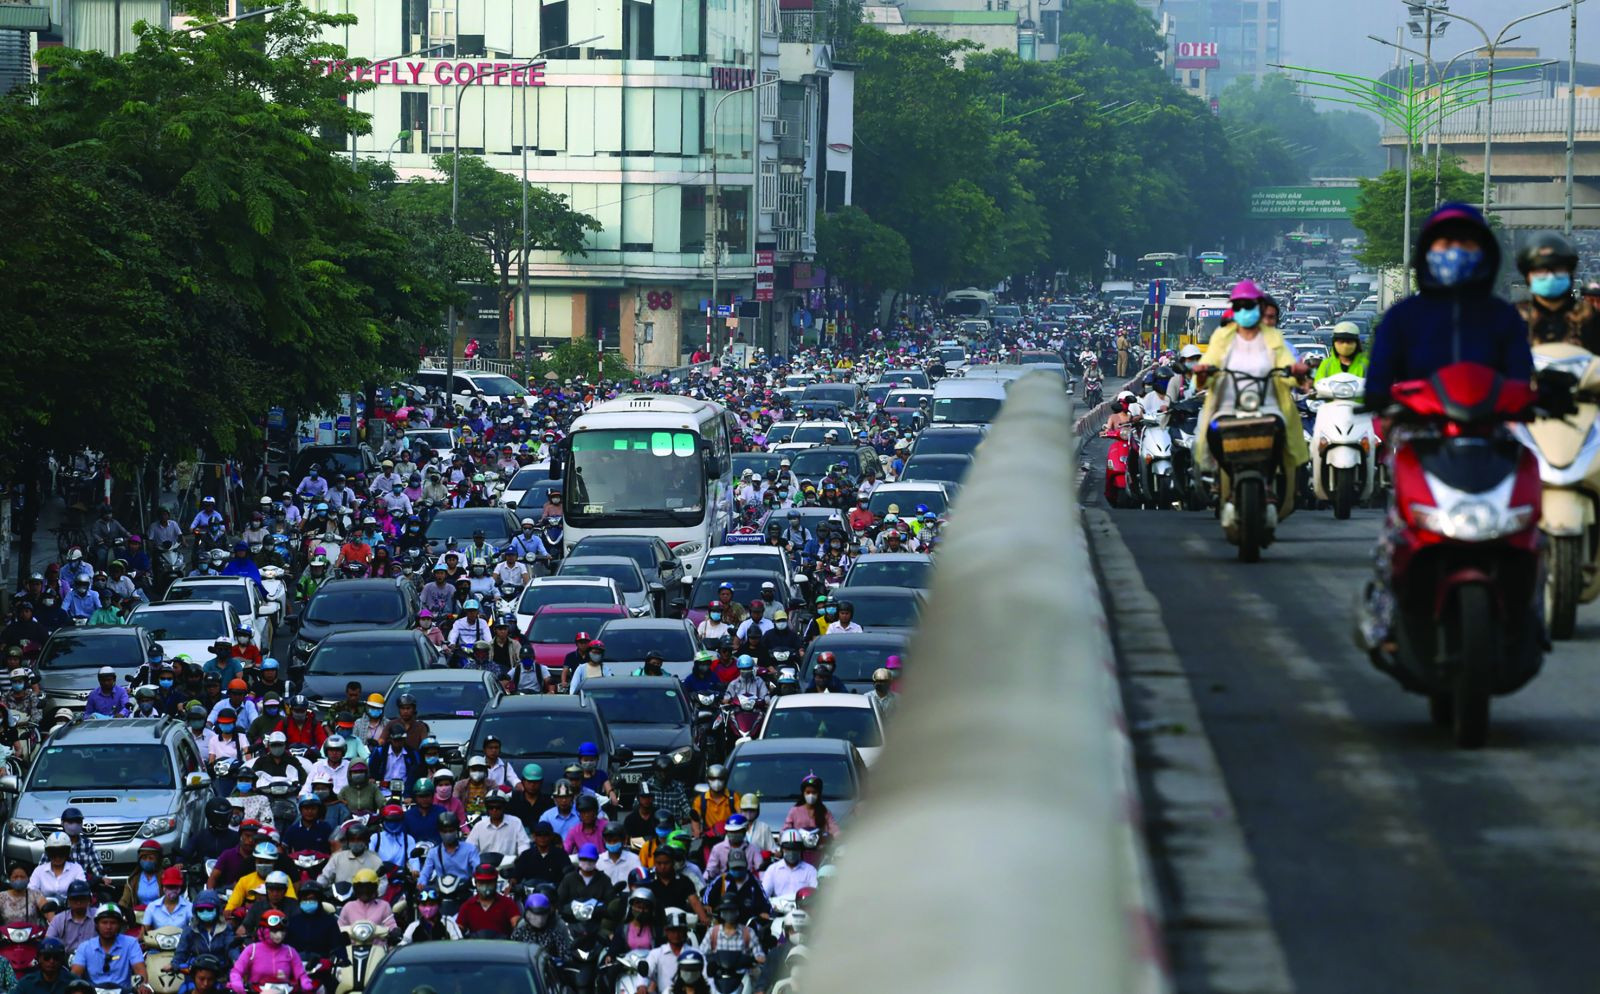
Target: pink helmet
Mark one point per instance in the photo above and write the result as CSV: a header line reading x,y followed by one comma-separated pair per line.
x,y
1246,290
892,663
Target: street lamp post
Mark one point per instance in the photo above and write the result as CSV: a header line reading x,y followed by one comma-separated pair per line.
x,y
374,65
262,12
1493,47
455,192
1439,77
716,227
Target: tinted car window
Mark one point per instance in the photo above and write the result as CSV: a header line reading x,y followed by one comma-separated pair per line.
x,y
460,523
890,573
780,776
454,977
854,662
384,658
537,495
881,610
85,767
626,575
523,733
231,593
522,479
185,625
551,629
332,606
814,463
856,726
440,700
907,499
638,705
943,442
67,651
745,589
633,643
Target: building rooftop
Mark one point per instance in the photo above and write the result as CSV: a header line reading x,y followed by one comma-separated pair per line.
x,y
959,16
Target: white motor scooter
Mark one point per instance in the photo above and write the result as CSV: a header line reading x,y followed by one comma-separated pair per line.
x,y
1155,459
1569,469
1343,445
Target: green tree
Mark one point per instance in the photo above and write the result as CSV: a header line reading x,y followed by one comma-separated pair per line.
x,y
576,360
1332,143
489,211
1380,206
867,257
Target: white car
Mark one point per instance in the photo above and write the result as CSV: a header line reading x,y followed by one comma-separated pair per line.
x,y
772,558
811,433
852,717
542,591
189,627
523,480
241,592
441,440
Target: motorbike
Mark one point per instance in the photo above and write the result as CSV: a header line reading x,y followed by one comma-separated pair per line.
x,y
729,972
159,946
19,944
277,589
590,956
1183,420
552,532
1248,445
1568,450
1094,393
366,952
1134,478
1464,559
745,714
1155,461
632,970
1116,481
1343,447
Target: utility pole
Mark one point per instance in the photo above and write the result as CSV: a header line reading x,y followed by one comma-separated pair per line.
x,y
1572,111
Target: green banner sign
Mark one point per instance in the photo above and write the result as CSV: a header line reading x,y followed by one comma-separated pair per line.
x,y
1303,203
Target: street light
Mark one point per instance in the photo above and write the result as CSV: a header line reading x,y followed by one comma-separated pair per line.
x,y
374,65
716,226
1488,129
455,190
262,12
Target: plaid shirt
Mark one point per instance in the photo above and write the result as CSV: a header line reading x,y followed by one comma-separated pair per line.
x,y
741,941
83,855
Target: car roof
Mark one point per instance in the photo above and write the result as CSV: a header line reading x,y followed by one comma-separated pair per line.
x,y
98,631
358,583
960,456
183,605
877,637
902,485
372,635
622,539
440,676
573,579
600,560
208,581
618,609
771,551
732,574
892,557
650,624
903,593
665,681
540,702
789,747
464,951
955,426
116,731
858,701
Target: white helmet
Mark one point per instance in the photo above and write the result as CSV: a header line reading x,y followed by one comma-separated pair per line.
x,y
1190,351
58,840
527,522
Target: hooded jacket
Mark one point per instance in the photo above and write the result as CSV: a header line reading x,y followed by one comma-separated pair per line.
x,y
1441,325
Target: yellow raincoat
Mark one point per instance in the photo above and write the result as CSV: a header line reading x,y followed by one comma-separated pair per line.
x,y
1295,451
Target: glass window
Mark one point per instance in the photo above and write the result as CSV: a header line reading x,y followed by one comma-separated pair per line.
x,y
692,221
534,734
854,662
545,594
445,976
643,476
623,642
466,699
332,606
978,409
638,30
553,28
185,625
638,705
102,767
626,574
352,658
81,652
733,206
858,726
780,776
554,629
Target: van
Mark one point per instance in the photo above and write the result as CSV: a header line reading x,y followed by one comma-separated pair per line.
x,y
968,401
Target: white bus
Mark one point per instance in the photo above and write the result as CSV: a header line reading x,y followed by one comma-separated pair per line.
x,y
652,464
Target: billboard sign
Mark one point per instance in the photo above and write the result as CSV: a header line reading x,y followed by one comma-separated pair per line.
x,y
1303,203
1196,55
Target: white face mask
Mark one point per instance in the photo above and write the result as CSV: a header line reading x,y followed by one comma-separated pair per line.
x,y
812,797
478,774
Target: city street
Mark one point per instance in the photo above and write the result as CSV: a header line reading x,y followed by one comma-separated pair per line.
x,y
1390,860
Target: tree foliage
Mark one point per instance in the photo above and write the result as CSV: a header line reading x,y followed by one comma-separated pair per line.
x,y
489,212
867,257
1332,143
1380,206
195,254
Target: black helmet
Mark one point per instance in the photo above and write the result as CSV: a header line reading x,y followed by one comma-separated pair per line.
x,y
218,811
1547,250
448,821
205,961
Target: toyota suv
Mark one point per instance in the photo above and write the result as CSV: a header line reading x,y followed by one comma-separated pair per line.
x,y
133,778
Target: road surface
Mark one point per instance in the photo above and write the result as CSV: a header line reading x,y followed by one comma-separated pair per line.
x,y
1390,860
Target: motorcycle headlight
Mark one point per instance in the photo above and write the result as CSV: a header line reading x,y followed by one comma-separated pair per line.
x,y
1249,401
1472,521
159,825
167,943
362,931
24,829
1344,391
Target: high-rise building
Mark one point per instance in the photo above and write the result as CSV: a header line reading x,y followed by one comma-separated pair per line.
x,y
1244,35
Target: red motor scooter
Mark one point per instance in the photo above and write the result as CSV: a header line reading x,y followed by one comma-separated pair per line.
x,y
19,944
1465,562
1116,482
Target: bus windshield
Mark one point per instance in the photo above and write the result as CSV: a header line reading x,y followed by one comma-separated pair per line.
x,y
642,477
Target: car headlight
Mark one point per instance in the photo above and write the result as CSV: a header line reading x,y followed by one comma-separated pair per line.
x,y
24,829
302,645
1472,521
159,825
681,756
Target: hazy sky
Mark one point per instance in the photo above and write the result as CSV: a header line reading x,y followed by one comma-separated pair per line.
x,y
1332,34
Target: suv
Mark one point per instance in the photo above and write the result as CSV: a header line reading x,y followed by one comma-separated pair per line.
x,y
69,665
133,778
351,605
548,729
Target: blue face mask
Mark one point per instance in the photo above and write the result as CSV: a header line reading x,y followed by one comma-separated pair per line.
x,y
310,907
147,864
716,615
613,847
1247,318
1453,265
166,684
206,914
1550,286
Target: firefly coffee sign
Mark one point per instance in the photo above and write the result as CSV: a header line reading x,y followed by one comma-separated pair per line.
x,y
438,72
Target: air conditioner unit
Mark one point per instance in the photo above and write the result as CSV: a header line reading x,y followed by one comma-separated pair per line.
x,y
780,128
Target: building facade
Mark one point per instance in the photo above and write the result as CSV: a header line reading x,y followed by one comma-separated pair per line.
x,y
1241,38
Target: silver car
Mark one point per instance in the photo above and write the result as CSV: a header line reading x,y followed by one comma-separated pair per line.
x,y
133,779
640,596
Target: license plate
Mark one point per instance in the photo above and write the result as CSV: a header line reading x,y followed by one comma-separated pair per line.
x,y
106,855
631,777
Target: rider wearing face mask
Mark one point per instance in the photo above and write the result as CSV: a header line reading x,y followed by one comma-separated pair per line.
x,y
431,924
811,814
593,666
1455,316
541,925
788,875
488,910
1346,356
1553,312
270,960
354,855
207,934
366,905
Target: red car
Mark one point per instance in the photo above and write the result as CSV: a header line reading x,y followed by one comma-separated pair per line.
x,y
551,631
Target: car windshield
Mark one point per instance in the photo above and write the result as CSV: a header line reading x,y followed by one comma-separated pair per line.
x,y
906,572
779,776
329,462
952,353
66,651
623,642
332,606
436,439
639,549
523,479
183,625
117,766
947,442
838,393
856,726
816,434
943,470
626,574
757,462
882,611
538,494
341,658
235,594
745,589
854,662
979,409
466,699
552,629
725,561
540,595
453,976
778,434
907,500
638,705
524,733
498,386
903,399
813,464
459,524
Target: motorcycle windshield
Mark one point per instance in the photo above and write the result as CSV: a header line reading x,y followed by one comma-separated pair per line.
x,y
1471,465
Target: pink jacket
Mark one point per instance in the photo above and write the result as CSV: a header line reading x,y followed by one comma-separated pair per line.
x,y
264,963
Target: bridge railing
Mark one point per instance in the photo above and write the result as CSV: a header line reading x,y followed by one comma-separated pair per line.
x,y
998,847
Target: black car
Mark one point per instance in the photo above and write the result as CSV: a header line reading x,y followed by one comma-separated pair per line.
x,y
949,440
548,729
856,656
483,964
350,606
653,555
814,463
942,467
651,712
455,527
531,503
373,656
885,608
332,460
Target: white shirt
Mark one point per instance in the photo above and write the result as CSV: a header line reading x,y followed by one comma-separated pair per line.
x,y
783,880
618,867
837,626
1247,356
508,838
663,964
340,775
712,630
513,573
